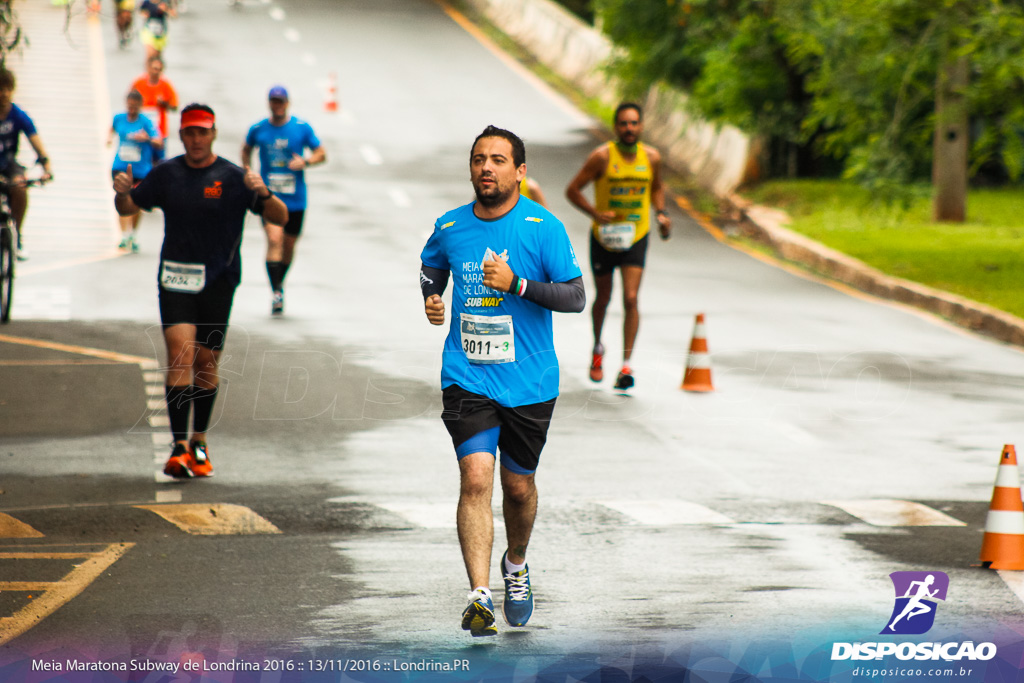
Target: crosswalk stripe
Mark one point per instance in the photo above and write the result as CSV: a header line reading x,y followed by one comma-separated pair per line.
x,y
892,513
426,515
666,512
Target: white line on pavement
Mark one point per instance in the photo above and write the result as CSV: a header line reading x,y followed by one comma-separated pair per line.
x,y
666,512
891,513
371,155
399,197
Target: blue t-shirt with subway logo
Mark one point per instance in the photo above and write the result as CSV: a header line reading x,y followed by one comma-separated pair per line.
x,y
500,345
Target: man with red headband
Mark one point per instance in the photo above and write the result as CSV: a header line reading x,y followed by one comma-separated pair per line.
x,y
204,198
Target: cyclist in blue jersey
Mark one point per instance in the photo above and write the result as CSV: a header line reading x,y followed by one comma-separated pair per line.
x,y
283,142
136,139
511,265
13,122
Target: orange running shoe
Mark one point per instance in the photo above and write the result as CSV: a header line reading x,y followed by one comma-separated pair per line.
x,y
199,459
177,464
596,373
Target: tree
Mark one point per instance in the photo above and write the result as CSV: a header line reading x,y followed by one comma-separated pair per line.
x,y
887,88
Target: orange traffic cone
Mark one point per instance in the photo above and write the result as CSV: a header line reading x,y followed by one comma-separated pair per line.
x,y
1003,545
331,101
698,363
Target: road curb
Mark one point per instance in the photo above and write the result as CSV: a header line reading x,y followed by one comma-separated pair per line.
x,y
767,226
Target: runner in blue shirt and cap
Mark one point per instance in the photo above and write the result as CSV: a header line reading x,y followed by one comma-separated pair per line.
x,y
283,141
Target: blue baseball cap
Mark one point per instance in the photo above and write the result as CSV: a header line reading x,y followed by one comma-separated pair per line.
x,y
278,93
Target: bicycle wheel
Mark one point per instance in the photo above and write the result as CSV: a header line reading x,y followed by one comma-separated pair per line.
x,y
6,272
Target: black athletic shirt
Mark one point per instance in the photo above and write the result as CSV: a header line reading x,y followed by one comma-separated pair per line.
x,y
204,212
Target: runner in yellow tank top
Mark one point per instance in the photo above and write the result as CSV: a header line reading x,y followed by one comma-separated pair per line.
x,y
624,189
627,184
530,189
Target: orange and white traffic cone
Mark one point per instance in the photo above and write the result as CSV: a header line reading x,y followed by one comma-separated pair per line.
x,y
1003,544
331,100
698,362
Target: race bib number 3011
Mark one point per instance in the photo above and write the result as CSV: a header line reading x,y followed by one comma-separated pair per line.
x,y
488,340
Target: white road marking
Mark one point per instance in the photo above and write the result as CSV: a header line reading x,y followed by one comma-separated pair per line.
x,y
1015,581
168,496
427,515
41,303
153,376
666,512
399,197
155,404
893,513
159,421
155,390
793,433
371,155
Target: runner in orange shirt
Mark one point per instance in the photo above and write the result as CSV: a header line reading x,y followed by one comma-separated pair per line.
x,y
158,97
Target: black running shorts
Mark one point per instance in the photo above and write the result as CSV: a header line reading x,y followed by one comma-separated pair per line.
x,y
523,429
208,310
294,225
604,262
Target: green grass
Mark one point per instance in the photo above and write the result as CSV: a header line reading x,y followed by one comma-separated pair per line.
x,y
981,259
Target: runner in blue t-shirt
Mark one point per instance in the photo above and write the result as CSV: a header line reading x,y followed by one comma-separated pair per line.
x,y
13,122
282,141
137,138
511,265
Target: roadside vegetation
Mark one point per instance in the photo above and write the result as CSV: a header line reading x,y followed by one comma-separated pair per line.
x,y
981,259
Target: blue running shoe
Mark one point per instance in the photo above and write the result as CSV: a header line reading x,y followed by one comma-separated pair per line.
x,y
478,617
518,605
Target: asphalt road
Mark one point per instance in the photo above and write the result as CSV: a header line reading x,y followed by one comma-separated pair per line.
x,y
778,504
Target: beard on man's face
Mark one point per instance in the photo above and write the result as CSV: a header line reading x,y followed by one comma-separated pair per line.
x,y
493,196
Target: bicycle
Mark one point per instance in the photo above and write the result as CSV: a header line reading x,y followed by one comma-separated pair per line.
x,y
9,246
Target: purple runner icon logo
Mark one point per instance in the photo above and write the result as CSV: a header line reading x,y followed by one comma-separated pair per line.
x,y
917,594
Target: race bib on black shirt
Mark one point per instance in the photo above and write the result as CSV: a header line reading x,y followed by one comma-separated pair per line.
x,y
204,213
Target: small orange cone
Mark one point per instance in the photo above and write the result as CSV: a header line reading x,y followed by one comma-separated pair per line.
x,y
698,363
1003,545
331,101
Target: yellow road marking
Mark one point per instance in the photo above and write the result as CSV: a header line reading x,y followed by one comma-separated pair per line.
x,y
45,556
213,520
22,363
57,593
14,528
25,586
80,350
